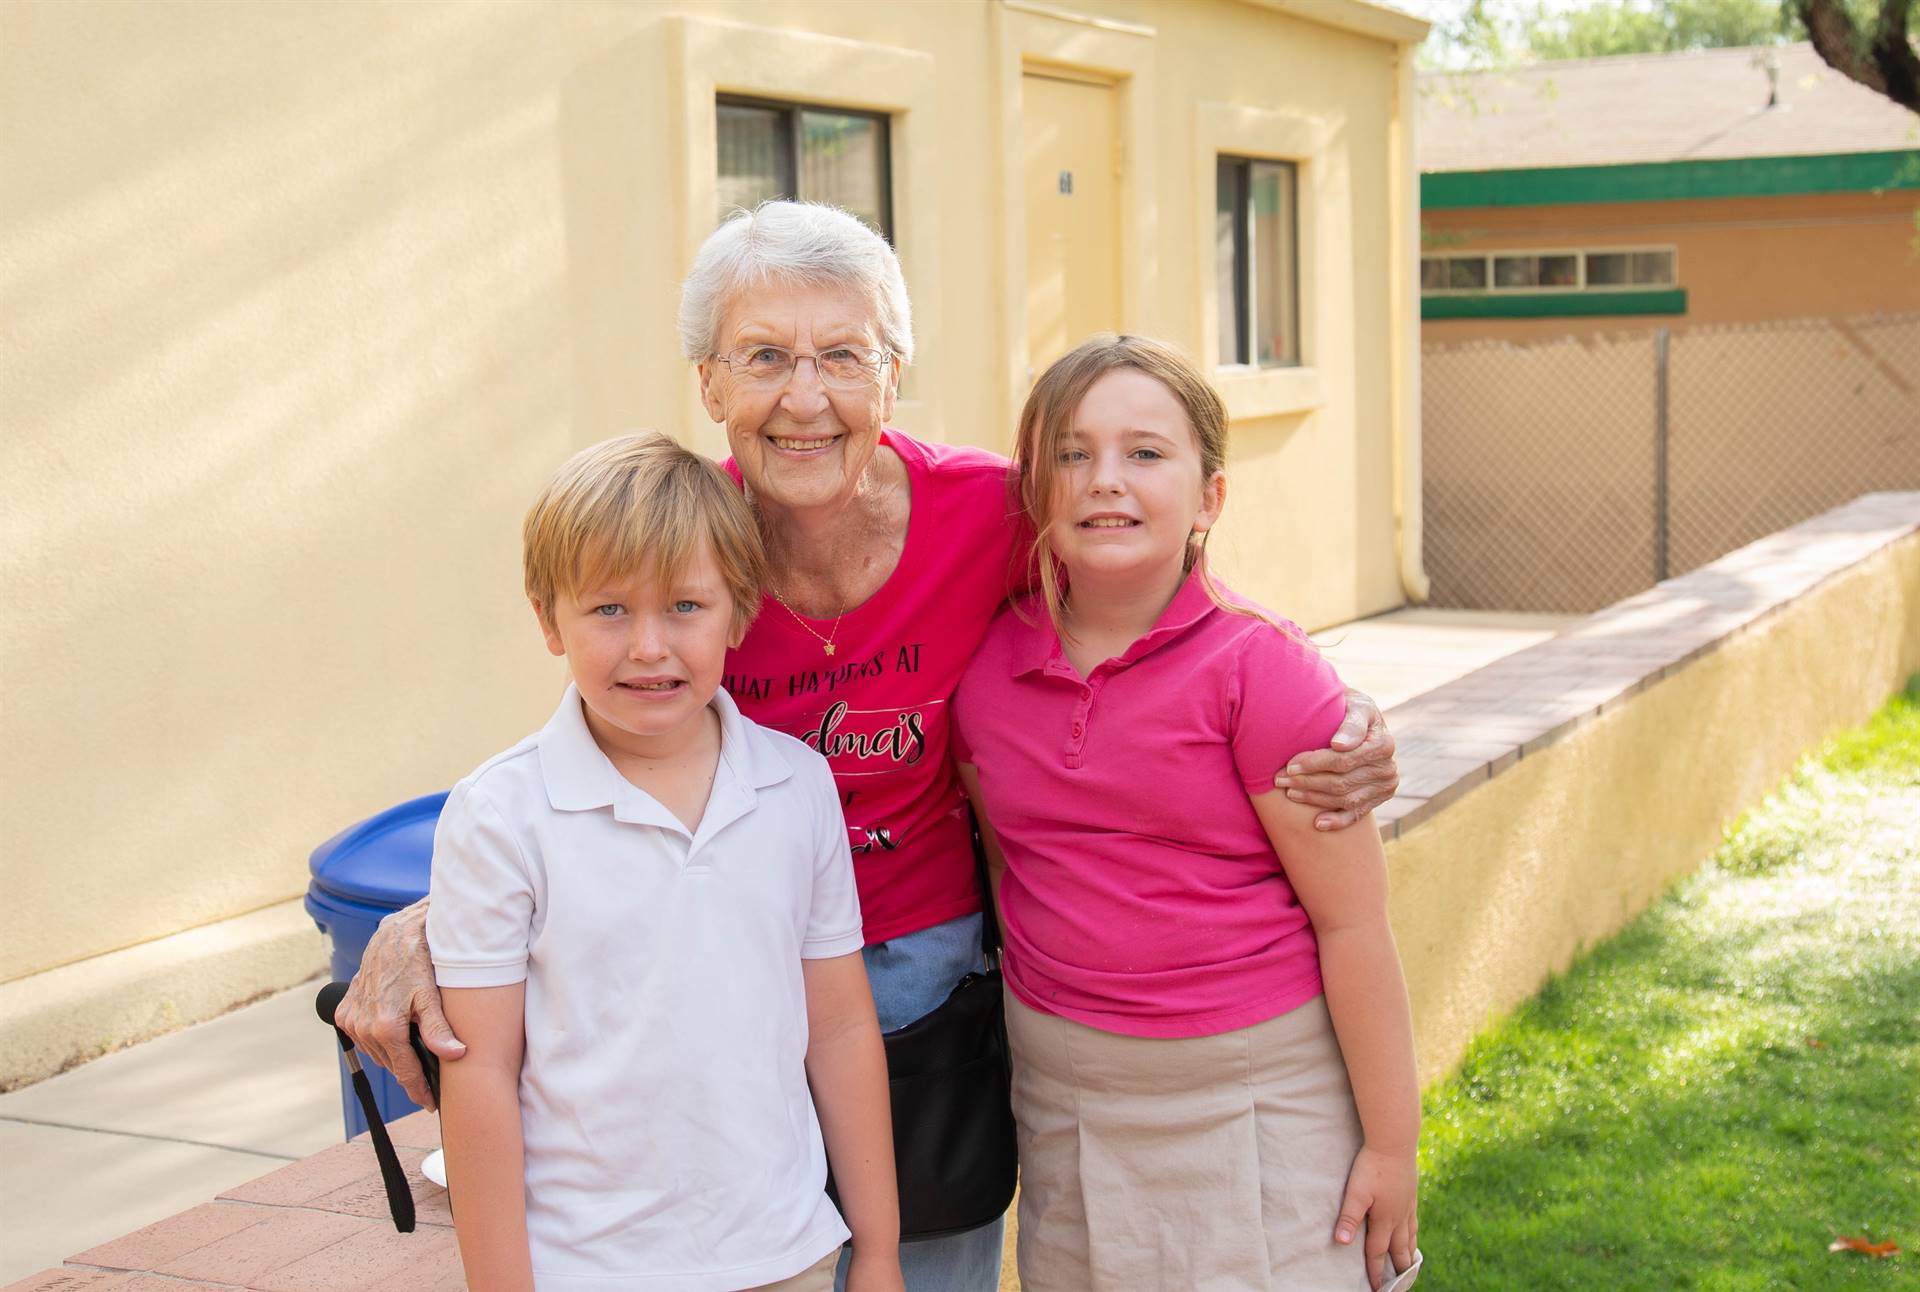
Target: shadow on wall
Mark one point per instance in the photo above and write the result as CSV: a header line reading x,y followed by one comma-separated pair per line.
x,y
291,349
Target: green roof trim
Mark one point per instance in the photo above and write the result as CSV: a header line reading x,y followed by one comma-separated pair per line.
x,y
1673,181
1553,305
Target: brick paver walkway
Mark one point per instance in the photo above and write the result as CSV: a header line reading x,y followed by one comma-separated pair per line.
x,y
317,1225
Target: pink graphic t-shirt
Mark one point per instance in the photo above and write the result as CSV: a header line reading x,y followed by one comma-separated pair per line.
x,y
1142,895
879,707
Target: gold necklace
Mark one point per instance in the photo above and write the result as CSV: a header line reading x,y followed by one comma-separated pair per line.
x,y
826,643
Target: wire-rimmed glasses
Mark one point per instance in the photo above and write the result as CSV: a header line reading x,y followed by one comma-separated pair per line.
x,y
844,367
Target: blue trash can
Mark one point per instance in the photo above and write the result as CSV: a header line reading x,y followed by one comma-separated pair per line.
x,y
362,874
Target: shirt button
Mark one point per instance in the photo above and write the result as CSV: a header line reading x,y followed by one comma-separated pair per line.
x,y
1077,728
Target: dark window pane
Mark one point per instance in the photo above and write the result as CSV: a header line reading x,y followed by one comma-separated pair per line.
x,y
1516,271
843,161
1607,269
1467,273
1652,268
1559,271
1433,274
1274,301
1229,270
754,156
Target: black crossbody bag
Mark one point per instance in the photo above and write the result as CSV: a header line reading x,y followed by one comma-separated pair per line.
x,y
951,1079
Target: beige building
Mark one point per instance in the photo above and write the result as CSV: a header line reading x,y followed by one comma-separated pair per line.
x,y
302,301
1616,194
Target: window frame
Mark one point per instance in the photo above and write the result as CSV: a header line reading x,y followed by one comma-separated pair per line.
x,y
1579,253
1246,270
791,110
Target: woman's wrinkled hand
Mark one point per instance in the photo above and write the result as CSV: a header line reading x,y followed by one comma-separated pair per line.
x,y
395,986
1351,778
1381,1191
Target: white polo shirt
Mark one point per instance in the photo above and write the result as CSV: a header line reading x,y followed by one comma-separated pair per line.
x,y
671,1142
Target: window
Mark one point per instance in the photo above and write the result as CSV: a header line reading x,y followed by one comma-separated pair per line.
x,y
788,150
1553,271
1256,262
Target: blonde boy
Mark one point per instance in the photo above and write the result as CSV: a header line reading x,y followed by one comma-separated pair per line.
x,y
645,928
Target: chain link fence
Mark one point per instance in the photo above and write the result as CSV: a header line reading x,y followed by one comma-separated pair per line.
x,y
1564,475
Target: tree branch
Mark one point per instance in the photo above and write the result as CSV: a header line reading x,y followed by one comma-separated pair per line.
x,y
1885,63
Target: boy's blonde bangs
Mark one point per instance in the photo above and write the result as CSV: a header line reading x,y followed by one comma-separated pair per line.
x,y
640,504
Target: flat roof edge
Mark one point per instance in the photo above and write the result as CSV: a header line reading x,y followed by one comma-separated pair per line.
x,y
1671,181
1361,17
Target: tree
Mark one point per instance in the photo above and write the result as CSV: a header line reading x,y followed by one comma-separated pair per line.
x,y
1627,27
1879,54
1868,41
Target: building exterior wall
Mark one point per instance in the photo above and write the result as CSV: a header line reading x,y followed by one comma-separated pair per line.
x,y
303,301
1739,260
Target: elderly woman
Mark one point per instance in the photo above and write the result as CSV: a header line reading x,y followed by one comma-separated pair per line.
x,y
888,557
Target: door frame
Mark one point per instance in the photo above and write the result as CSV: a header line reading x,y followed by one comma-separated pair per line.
x,y
1100,50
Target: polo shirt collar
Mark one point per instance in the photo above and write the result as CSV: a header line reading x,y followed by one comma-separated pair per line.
x,y
580,778
1038,646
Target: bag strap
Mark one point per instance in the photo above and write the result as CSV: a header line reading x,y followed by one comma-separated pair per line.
x,y
392,1176
989,918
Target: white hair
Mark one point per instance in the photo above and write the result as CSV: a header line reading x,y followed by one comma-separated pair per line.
x,y
806,242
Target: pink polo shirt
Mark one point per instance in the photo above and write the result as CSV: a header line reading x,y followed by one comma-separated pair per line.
x,y
1142,895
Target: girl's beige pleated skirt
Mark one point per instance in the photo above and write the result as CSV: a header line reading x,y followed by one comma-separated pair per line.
x,y
1215,1163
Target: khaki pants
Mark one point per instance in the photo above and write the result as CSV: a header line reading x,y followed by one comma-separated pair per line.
x,y
815,1278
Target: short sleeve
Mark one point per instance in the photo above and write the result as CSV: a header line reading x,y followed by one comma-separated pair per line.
x,y
833,918
480,920
1287,700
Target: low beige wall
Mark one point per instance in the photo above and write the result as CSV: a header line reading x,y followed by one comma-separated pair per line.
x,y
1505,870
63,1017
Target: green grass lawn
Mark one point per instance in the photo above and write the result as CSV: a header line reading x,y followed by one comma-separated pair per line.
x,y
1707,1099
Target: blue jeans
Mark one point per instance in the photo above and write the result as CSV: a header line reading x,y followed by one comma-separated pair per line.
x,y
911,976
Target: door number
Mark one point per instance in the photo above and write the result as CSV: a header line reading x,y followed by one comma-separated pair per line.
x,y
1066,182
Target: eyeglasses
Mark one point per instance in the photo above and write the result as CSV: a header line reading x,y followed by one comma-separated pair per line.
x,y
844,367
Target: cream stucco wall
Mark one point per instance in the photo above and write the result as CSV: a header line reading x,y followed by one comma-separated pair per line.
x,y
301,301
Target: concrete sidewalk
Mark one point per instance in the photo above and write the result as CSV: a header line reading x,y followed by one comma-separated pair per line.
x,y
1398,655
154,1130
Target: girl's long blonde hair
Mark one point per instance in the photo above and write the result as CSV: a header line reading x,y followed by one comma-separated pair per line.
x,y
1047,419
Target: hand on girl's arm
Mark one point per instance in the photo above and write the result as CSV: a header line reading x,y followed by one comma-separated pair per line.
x,y
847,1069
1350,778
1341,880
480,1127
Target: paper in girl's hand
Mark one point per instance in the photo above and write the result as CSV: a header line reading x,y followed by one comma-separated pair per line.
x,y
1404,1279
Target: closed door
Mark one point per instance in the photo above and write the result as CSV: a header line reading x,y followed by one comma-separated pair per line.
x,y
1073,213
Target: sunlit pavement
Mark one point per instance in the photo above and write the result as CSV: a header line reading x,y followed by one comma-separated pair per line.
x,y
153,1130
1396,656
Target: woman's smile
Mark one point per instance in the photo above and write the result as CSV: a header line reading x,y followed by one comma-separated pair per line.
x,y
810,446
